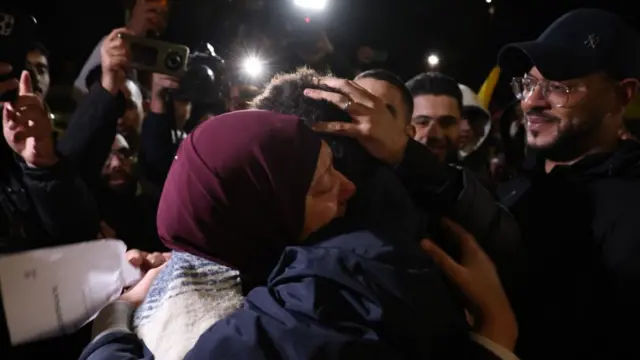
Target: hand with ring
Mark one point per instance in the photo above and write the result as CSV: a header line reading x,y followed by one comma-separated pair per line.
x,y
373,125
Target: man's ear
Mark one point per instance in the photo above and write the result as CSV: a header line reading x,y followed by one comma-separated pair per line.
x,y
628,89
410,130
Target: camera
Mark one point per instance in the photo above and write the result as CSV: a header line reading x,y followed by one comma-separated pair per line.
x,y
157,56
173,61
205,79
204,85
201,72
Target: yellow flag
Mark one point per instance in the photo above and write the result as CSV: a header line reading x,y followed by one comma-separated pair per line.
x,y
489,85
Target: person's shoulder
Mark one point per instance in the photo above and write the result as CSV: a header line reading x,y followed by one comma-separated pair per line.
x,y
617,188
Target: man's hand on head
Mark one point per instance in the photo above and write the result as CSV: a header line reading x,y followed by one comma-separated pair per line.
x,y
373,125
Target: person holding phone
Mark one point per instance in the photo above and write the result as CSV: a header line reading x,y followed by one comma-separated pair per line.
x,y
147,17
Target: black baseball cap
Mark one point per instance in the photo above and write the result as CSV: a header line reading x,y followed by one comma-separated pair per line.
x,y
580,43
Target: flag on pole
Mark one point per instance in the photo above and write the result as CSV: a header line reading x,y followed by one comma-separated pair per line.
x,y
489,85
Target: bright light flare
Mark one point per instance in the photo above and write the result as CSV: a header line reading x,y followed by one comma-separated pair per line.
x,y
433,60
312,4
253,66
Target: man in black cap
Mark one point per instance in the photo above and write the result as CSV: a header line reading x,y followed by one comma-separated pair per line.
x,y
579,196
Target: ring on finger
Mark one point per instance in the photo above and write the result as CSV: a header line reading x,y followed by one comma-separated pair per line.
x,y
347,105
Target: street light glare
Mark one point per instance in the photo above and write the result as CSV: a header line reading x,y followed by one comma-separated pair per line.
x,y
488,1
433,60
311,4
253,66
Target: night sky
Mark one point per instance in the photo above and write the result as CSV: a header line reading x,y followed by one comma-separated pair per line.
x,y
462,32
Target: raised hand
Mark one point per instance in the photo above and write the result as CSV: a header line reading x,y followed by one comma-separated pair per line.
x,y
476,276
115,59
27,127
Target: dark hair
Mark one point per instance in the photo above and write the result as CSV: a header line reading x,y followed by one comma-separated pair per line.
x,y
39,47
285,94
391,78
435,83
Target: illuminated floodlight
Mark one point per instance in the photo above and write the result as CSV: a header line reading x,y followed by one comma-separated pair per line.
x,y
253,66
433,60
312,4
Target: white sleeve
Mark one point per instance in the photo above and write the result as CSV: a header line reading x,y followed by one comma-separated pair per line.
x,y
80,86
499,350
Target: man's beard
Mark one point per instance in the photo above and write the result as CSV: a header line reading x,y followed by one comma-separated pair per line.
x,y
128,186
571,143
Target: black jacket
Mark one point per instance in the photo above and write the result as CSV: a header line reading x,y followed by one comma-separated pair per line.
x,y
41,208
582,238
456,192
44,207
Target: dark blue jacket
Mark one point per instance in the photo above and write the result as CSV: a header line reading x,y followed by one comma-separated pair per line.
x,y
368,293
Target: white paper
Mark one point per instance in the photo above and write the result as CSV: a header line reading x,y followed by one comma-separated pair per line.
x,y
54,291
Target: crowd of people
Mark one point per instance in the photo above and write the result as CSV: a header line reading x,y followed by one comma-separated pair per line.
x,y
325,216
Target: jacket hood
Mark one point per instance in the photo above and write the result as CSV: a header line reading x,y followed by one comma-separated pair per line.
x,y
471,103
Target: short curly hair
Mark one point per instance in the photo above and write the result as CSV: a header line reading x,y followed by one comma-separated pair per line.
x,y
285,94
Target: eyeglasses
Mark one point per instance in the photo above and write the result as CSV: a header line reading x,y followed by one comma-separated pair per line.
x,y
122,155
558,94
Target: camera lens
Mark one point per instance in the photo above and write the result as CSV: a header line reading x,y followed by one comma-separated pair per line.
x,y
173,61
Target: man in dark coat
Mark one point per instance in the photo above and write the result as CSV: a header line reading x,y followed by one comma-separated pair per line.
x,y
579,196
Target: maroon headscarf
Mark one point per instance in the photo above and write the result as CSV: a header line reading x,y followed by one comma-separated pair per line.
x,y
236,191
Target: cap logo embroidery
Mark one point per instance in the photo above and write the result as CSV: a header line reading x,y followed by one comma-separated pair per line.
x,y
592,41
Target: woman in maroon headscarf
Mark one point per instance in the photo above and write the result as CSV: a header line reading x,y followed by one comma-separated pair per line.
x,y
242,187
245,185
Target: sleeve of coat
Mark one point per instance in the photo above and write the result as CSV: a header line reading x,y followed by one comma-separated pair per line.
x,y
112,336
117,345
157,147
456,193
92,129
621,258
63,202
